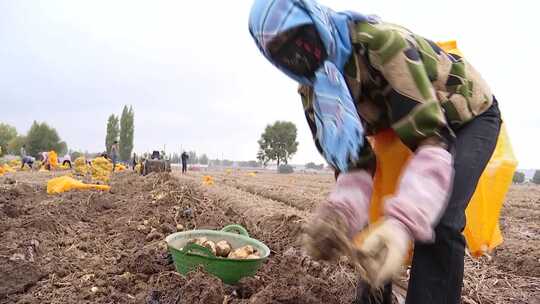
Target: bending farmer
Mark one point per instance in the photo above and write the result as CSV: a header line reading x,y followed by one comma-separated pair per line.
x,y
359,76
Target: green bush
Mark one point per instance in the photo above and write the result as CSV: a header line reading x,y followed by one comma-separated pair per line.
x,y
536,177
519,178
285,169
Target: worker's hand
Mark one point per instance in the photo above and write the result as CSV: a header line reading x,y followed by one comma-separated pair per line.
x,y
337,220
381,251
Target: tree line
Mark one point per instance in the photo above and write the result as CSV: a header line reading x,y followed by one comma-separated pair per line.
x,y
39,138
122,130
519,177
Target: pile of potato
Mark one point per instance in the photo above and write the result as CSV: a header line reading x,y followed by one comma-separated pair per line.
x,y
224,249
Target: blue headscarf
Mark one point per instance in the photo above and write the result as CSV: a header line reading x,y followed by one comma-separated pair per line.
x,y
339,128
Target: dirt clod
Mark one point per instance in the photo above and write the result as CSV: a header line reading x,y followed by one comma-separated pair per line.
x,y
17,275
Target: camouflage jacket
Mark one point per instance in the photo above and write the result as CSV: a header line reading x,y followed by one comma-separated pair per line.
x,y
402,81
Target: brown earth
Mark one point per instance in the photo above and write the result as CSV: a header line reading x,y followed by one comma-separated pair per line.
x,y
106,247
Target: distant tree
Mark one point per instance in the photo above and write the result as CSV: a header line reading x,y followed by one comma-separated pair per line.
x,y
226,163
278,142
251,164
203,159
113,131
261,157
192,158
175,158
41,137
75,154
254,164
536,177
7,133
15,145
285,169
62,148
519,177
311,165
127,130
314,166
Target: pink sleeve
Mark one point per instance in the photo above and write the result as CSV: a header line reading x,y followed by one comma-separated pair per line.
x,y
423,192
351,197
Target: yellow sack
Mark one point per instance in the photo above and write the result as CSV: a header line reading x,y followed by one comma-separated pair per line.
x,y
15,164
138,168
2,171
67,183
208,180
53,159
8,169
482,231
450,46
120,168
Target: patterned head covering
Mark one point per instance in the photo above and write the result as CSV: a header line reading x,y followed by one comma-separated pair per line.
x,y
339,129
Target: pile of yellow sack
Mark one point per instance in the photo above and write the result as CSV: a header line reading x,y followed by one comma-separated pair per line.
x,y
119,168
15,163
101,169
80,166
8,169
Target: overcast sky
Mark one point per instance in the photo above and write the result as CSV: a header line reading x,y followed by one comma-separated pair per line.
x,y
196,80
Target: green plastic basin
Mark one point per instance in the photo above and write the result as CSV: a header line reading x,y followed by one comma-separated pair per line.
x,y
188,257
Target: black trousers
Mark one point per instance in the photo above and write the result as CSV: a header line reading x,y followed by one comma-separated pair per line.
x,y
437,268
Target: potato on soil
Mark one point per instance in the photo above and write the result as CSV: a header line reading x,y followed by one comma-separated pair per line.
x,y
223,248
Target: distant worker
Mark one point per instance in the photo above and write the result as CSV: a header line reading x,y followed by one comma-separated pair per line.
x,y
27,160
23,151
185,158
114,153
44,156
134,161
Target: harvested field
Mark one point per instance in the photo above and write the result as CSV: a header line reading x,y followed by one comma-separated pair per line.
x,y
93,247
